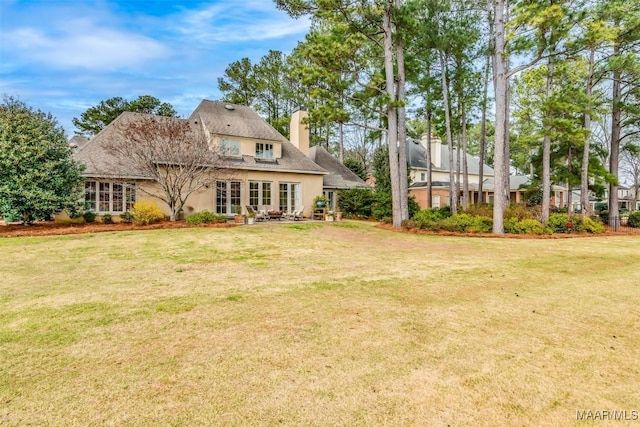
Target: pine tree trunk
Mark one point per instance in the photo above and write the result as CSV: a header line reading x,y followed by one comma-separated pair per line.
x,y
614,155
568,195
483,121
427,154
447,118
500,90
402,134
585,208
465,166
341,141
546,150
392,118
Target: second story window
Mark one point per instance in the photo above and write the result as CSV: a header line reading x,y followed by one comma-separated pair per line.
x,y
264,150
230,147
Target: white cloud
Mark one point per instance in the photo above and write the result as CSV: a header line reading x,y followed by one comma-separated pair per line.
x,y
237,22
85,45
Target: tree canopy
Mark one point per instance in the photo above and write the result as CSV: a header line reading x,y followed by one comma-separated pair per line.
x,y
95,118
350,73
38,176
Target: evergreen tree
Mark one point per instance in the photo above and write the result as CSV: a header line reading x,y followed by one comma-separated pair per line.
x,y
38,176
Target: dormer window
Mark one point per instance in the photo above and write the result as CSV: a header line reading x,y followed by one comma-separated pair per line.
x,y
230,147
264,150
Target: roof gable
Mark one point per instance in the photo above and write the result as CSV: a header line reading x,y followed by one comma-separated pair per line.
x,y
221,118
340,176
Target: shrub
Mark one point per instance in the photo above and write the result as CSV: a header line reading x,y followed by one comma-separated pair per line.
x,y
525,226
89,216
560,223
483,224
356,202
205,217
145,213
126,216
591,226
564,223
485,209
519,211
107,219
634,219
425,218
601,206
604,215
465,222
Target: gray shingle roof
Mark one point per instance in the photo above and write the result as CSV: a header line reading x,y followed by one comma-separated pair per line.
x,y
100,163
231,119
96,158
416,153
241,121
339,177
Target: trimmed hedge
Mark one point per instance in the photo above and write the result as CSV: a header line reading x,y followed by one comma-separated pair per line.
x,y
525,226
427,219
634,219
205,217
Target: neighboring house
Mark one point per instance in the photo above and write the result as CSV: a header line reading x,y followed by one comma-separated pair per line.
x,y
626,199
418,171
260,166
339,177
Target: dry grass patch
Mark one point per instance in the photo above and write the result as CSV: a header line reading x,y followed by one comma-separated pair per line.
x,y
305,324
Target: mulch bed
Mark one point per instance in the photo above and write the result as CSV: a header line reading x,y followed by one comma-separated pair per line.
x,y
51,228
625,231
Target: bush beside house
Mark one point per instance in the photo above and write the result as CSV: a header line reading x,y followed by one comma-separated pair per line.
x,y
518,220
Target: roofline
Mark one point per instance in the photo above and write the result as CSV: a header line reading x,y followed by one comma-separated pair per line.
x,y
108,176
249,168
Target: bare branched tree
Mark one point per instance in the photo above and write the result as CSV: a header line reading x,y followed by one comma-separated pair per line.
x,y
172,152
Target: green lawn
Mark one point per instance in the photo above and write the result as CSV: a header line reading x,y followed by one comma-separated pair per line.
x,y
313,324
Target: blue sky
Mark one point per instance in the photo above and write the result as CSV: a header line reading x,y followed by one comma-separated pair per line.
x,y
67,55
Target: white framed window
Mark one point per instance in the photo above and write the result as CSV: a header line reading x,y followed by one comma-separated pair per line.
x,y
260,193
264,150
435,203
109,197
423,176
290,196
228,196
230,147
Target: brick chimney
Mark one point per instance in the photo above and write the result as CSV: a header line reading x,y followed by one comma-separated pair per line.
x,y
298,131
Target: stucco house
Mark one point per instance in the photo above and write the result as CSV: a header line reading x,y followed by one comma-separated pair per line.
x,y
261,167
418,170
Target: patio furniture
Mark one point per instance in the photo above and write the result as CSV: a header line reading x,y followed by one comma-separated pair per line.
x,y
257,214
319,213
296,214
275,215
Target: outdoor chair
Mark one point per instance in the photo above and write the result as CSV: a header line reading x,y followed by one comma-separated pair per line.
x,y
296,214
258,215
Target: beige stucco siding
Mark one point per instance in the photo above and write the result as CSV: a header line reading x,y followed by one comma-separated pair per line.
x,y
310,184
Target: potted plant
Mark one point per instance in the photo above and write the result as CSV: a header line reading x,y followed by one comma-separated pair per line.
x,y
320,201
330,216
251,216
239,218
